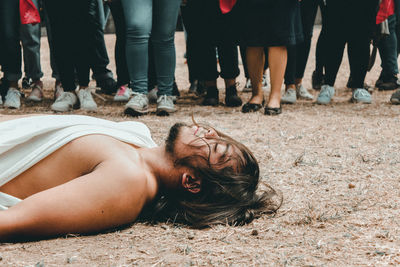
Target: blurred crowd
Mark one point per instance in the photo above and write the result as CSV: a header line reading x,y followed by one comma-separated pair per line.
x,y
269,36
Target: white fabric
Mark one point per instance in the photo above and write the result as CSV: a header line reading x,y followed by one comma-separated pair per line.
x,y
26,141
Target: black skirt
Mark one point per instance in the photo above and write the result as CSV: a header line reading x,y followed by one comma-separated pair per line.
x,y
268,22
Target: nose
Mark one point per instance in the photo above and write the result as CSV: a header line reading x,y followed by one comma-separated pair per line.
x,y
211,133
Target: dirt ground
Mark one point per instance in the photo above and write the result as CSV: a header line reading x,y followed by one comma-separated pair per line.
x,y
337,166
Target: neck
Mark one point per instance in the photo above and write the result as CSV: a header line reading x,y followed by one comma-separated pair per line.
x,y
160,164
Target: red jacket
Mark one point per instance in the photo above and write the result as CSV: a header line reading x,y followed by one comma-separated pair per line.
x,y
226,5
386,9
29,14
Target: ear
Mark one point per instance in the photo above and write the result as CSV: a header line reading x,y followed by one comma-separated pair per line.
x,y
191,183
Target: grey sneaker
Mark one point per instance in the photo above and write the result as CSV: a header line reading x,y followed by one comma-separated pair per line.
x,y
289,97
86,100
13,98
360,95
302,92
395,98
123,94
165,105
325,95
138,105
65,102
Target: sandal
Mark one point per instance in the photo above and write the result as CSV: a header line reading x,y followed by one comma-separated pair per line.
x,y
251,107
272,111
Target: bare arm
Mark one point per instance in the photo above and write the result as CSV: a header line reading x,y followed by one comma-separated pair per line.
x,y
104,198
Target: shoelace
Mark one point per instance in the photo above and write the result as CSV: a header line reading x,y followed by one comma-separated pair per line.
x,y
361,92
163,98
138,97
326,92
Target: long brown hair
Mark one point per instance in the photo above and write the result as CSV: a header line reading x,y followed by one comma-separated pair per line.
x,y
227,196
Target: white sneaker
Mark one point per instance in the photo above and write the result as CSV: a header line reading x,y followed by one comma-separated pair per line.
x,y
65,102
302,92
289,97
165,105
152,95
13,98
86,100
123,94
138,105
247,87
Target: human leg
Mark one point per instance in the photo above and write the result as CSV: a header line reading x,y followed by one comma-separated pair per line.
x,y
277,59
388,53
255,63
11,62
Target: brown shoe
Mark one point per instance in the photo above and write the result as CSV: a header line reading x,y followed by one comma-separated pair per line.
x,y
36,94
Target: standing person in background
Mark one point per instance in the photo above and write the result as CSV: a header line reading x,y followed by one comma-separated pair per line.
x,y
348,22
30,38
298,55
387,45
267,24
123,91
210,36
10,25
320,51
98,52
155,18
72,47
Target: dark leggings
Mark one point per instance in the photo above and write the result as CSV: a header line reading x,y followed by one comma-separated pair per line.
x,y
120,50
69,22
298,54
208,36
349,22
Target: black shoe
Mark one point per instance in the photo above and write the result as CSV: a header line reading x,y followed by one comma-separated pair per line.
x,y
395,98
212,97
26,83
107,86
387,83
317,80
175,90
201,89
272,111
193,87
250,107
231,97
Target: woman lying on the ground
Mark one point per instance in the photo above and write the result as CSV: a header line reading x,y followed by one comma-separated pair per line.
x,y
78,174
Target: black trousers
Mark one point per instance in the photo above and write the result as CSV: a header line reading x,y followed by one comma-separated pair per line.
x,y
98,53
70,28
349,22
208,32
298,54
120,51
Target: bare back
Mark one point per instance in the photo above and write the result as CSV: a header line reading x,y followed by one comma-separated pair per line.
x,y
92,183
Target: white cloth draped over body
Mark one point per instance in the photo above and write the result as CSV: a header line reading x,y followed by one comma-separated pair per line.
x,y
26,141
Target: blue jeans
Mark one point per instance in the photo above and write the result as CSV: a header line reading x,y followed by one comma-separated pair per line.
x,y
155,18
30,38
388,50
